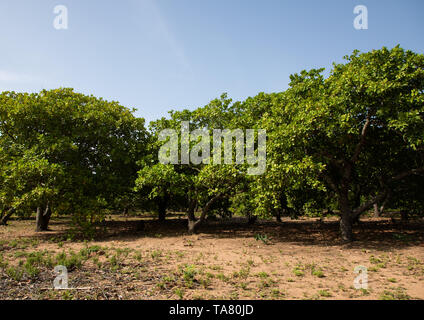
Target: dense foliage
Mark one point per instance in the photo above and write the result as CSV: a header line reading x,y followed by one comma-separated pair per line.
x,y
345,143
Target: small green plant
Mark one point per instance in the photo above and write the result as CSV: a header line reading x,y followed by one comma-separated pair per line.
x,y
179,293
324,293
365,292
243,273
189,272
316,271
298,271
276,293
3,263
15,273
71,262
222,277
155,254
263,275
262,237
397,294
206,282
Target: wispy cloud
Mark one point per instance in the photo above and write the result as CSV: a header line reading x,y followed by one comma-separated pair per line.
x,y
163,30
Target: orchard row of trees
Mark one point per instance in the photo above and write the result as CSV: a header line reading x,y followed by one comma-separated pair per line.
x,y
346,142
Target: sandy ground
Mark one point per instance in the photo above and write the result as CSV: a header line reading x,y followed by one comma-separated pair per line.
x,y
295,259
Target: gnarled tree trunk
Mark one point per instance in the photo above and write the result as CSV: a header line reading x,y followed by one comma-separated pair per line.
x,y
43,218
193,226
5,216
190,214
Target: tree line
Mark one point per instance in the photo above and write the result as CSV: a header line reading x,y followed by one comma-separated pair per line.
x,y
346,142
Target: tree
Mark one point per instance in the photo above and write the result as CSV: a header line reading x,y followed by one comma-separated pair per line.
x,y
161,184
94,142
328,131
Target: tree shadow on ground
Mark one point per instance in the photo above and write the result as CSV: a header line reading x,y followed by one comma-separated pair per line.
x,y
380,234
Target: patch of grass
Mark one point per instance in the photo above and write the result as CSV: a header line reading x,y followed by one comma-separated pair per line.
x,y
413,264
155,254
234,295
324,293
365,292
375,260
262,275
179,293
243,285
15,273
31,270
263,237
276,293
222,277
205,282
3,262
242,274
139,257
298,270
396,294
71,262
315,271
189,272
378,262
250,262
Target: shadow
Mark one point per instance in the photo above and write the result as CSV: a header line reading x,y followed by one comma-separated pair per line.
x,y
381,233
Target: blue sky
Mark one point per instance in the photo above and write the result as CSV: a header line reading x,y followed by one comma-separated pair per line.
x,y
160,55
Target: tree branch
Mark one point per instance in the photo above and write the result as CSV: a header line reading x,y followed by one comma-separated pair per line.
x,y
363,136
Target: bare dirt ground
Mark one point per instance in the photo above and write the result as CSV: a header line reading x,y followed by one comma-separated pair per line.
x,y
295,259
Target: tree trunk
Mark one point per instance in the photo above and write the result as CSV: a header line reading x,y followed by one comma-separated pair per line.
x,y
377,212
251,220
404,216
162,213
346,218
162,206
278,216
193,226
125,212
6,216
190,213
43,218
346,227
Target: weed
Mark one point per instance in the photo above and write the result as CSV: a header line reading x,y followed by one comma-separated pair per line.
x,y
262,237
179,292
397,294
324,293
